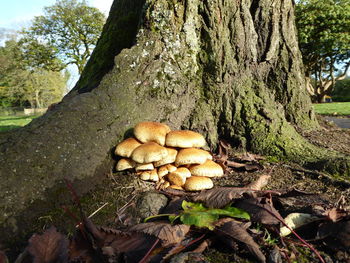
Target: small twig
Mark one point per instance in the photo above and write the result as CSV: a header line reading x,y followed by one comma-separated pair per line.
x,y
98,209
143,260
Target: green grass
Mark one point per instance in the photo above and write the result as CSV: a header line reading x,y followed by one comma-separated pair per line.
x,y
12,122
333,108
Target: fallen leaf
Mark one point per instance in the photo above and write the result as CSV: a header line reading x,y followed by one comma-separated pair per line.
x,y
261,182
234,164
221,196
249,157
260,210
169,234
49,247
232,229
336,214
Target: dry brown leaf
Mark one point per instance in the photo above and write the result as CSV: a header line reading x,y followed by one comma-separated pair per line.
x,y
336,214
250,157
260,210
49,247
169,234
233,229
336,235
261,182
220,197
234,164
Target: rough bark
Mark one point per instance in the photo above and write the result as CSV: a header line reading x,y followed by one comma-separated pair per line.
x,y
228,69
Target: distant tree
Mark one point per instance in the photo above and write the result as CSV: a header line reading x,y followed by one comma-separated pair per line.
x,y
21,84
324,38
68,30
341,90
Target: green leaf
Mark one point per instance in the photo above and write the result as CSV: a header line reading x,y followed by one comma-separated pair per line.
x,y
198,215
199,219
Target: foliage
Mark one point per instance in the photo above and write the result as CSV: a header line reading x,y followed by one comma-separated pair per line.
x,y
324,38
335,108
68,31
341,90
23,85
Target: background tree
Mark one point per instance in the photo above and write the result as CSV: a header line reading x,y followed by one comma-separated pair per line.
x,y
341,91
69,30
324,38
229,69
24,85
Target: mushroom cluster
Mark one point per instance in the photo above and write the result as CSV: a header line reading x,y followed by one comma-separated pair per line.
x,y
171,158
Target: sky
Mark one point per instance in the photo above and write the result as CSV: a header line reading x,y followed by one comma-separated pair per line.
x,y
16,14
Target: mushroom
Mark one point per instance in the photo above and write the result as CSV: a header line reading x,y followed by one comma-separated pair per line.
x,y
148,153
151,132
192,156
184,139
144,167
208,169
170,158
125,164
196,183
177,178
126,147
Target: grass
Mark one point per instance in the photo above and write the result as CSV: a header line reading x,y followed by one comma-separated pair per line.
x,y
334,108
10,122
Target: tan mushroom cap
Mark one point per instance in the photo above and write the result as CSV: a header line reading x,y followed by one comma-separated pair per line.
x,y
170,158
126,147
176,178
151,132
144,167
145,175
192,156
171,168
175,187
183,171
162,171
125,164
148,153
208,169
196,183
184,139
154,176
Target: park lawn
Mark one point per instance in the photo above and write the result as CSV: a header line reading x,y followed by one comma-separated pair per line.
x,y
333,108
10,122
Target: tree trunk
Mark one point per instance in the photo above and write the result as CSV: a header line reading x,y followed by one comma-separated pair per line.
x,y
228,69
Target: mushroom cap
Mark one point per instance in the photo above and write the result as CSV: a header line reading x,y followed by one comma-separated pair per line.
x,y
144,167
170,158
145,175
125,164
184,171
184,139
208,169
154,176
196,183
126,147
171,168
148,153
151,132
192,156
175,187
176,178
162,171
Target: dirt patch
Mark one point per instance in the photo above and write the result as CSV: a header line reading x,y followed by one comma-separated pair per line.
x,y
330,136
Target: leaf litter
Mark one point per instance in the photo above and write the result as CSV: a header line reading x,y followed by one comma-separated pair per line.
x,y
246,219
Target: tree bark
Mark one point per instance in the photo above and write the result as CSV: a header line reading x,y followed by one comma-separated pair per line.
x,y
228,69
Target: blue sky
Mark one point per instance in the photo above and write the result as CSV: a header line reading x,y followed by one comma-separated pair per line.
x,y
15,14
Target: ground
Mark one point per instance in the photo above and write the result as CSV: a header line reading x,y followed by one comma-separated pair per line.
x,y
118,190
